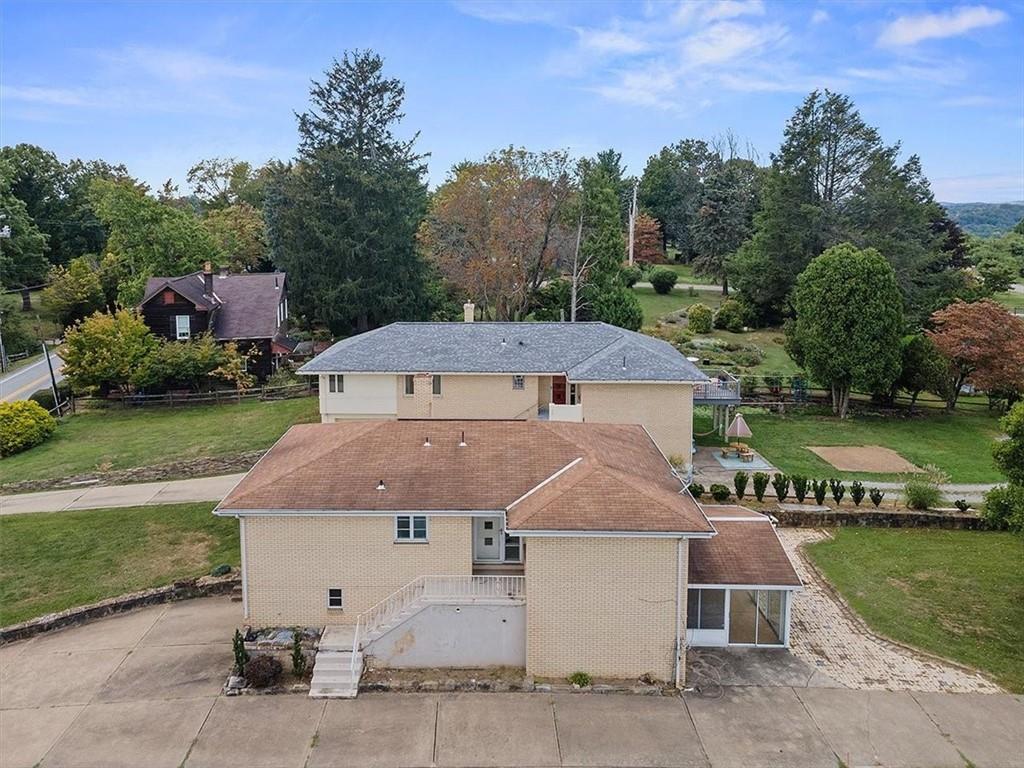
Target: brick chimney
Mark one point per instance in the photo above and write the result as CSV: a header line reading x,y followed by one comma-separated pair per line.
x,y
208,279
468,311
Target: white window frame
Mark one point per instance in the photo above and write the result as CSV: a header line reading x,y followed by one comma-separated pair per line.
x,y
518,382
341,599
409,386
435,385
336,383
412,538
177,327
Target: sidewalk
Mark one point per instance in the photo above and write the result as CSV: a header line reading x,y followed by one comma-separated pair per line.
x,y
136,495
684,286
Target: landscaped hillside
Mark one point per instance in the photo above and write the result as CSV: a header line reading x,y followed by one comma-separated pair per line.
x,y
986,219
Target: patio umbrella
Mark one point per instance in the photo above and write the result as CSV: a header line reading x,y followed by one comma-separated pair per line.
x,y
738,427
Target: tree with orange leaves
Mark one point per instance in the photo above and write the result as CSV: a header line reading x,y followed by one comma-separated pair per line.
x,y
984,344
648,242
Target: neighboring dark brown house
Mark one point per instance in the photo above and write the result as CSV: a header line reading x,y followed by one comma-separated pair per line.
x,y
248,309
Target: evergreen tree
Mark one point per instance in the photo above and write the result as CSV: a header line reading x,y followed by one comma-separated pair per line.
x,y
725,217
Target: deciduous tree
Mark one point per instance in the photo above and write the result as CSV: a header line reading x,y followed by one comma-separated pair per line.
x,y
671,186
74,291
241,236
107,351
648,242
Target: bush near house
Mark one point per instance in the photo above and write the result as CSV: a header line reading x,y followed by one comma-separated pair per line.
x,y
699,318
663,279
23,424
730,316
262,671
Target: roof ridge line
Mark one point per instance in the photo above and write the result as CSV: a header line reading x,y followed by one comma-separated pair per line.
x,y
547,480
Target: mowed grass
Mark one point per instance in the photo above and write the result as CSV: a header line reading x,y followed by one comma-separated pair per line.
x,y
124,438
960,444
957,594
687,275
656,305
1010,299
54,561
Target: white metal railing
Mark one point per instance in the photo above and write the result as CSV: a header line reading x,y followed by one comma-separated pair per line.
x,y
722,386
435,588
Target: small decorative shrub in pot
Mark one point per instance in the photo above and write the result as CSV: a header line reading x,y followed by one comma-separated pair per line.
x,y
838,490
876,496
857,492
241,655
780,482
663,279
760,485
697,490
800,484
698,318
719,492
739,482
820,488
262,671
580,679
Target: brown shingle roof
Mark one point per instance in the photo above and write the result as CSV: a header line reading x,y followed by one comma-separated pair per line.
x,y
618,480
743,552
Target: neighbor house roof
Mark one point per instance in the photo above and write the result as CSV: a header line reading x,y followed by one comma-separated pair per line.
x,y
548,476
582,351
746,551
245,305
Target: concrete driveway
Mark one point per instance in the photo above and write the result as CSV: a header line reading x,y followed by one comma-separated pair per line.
x,y
143,690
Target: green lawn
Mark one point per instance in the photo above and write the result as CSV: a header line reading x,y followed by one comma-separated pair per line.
x,y
1010,300
958,594
124,438
40,320
656,305
53,561
686,274
960,443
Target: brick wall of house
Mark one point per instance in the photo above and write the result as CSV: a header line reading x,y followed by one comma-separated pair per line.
x,y
292,561
466,396
666,410
605,606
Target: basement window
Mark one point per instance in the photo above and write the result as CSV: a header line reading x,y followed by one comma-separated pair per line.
x,y
334,599
336,382
518,382
410,528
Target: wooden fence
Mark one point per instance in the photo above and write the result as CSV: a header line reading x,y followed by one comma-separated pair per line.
x,y
172,399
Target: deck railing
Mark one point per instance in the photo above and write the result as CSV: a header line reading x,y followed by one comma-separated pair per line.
x,y
435,588
723,386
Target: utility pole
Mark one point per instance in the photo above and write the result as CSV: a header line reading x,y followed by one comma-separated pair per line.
x,y
632,222
5,233
53,379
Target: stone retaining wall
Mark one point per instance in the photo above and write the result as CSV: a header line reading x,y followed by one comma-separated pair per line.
x,y
179,590
877,518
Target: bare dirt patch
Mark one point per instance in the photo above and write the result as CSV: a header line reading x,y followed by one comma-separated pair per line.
x,y
864,458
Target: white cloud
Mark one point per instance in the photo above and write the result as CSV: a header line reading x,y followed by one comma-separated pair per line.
x,y
523,12
56,97
689,12
184,66
908,30
820,16
729,40
970,101
992,187
611,41
649,87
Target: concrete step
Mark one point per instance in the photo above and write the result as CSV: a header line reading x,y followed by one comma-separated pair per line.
x,y
335,677
325,661
326,692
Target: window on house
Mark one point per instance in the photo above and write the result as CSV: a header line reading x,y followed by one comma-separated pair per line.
x,y
437,385
182,326
513,549
705,609
336,382
410,385
334,598
575,395
518,382
411,528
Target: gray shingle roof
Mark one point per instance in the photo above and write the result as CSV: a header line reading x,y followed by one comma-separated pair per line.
x,y
583,351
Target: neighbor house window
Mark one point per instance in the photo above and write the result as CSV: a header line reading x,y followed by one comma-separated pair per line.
x,y
183,326
410,385
336,382
705,609
334,598
411,528
437,385
518,382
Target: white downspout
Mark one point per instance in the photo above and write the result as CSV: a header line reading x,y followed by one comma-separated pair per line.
x,y
679,605
245,574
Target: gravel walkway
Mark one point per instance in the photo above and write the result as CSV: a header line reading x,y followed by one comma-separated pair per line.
x,y
829,635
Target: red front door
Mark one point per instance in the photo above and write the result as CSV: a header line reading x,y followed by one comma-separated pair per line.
x,y
558,390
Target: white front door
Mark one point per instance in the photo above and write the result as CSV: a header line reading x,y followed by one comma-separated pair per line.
x,y
488,539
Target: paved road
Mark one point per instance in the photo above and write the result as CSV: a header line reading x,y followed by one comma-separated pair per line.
x,y
135,495
26,380
144,689
685,286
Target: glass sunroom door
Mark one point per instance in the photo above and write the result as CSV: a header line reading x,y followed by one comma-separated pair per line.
x,y
757,617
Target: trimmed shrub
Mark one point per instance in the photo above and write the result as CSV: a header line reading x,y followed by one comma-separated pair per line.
x,y
663,279
820,488
838,490
697,490
780,482
698,318
857,492
760,485
923,491
631,276
800,485
580,679
262,671
961,505
241,655
23,424
298,657
739,482
876,496
1004,507
730,316
719,493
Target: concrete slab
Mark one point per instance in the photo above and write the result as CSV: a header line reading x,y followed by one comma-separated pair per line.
x,y
987,729
753,666
376,730
9,654
196,622
885,728
121,631
155,734
48,501
116,496
755,727
496,730
257,732
626,731
57,678
174,672
27,734
196,489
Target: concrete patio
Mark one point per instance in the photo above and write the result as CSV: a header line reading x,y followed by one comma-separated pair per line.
x,y
144,689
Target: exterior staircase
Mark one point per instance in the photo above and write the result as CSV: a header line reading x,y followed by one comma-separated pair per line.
x,y
339,658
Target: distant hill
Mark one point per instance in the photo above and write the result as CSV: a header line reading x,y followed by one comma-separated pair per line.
x,y
986,219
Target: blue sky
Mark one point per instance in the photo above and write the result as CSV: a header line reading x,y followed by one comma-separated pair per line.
x,y
159,86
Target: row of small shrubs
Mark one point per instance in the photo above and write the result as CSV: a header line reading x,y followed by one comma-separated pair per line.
x,y
24,424
729,317
781,483
264,670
